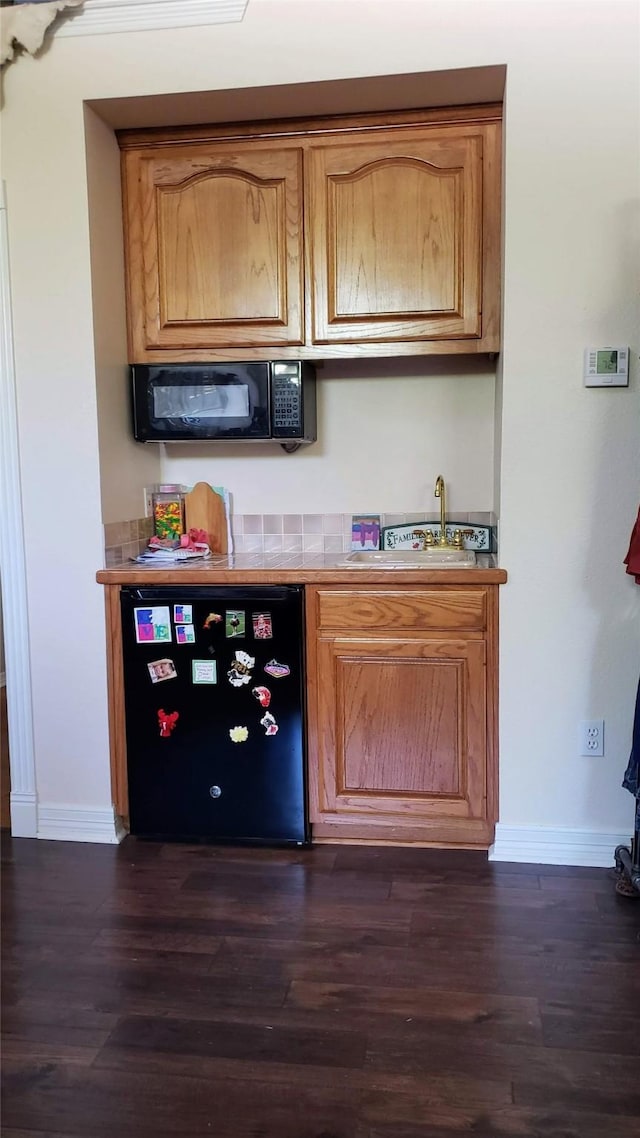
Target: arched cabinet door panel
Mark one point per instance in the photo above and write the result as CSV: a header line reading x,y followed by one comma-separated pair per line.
x,y
395,232
214,246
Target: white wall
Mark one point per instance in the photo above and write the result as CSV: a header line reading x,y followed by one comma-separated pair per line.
x,y
569,469
386,429
125,467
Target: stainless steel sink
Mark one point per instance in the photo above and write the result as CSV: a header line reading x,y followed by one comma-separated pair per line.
x,y
434,558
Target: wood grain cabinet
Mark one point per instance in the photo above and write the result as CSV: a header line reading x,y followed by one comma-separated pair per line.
x,y
213,241
402,691
395,235
368,235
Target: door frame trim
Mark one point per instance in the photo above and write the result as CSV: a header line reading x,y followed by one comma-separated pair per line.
x,y
13,582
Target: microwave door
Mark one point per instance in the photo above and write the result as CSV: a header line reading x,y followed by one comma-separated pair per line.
x,y
219,402
194,402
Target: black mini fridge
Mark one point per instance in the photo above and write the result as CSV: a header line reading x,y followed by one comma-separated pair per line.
x,y
214,705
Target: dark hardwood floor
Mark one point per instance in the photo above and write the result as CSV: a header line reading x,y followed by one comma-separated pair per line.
x,y
155,990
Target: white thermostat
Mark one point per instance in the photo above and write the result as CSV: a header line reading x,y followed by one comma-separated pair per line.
x,y
606,367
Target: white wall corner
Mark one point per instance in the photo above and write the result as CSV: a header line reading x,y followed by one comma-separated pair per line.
x,y
77,824
543,846
97,17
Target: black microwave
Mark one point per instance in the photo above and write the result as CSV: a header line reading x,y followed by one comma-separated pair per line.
x,y
226,402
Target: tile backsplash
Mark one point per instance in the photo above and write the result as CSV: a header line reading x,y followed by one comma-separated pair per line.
x,y
317,533
272,533
123,540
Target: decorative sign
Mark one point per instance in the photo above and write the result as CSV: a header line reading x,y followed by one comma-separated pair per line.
x,y
402,537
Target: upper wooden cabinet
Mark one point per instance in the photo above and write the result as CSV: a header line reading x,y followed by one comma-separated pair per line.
x,y
213,247
394,226
376,235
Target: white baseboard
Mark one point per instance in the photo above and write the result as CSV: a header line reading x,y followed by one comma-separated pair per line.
x,y
543,846
77,824
24,814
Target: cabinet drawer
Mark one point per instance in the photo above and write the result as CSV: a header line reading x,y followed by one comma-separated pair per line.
x,y
402,609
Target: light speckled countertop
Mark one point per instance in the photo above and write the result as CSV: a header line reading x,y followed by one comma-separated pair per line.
x,y
293,569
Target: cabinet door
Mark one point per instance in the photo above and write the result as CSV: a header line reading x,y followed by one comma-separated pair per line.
x,y
395,224
214,246
401,730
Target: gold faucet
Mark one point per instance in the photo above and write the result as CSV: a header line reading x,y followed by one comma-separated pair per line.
x,y
427,537
443,542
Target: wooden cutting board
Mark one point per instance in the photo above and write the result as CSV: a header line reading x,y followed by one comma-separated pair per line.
x,y
204,509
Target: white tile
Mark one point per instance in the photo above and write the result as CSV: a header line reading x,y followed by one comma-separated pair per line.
x,y
312,543
311,524
272,523
252,543
252,523
332,523
273,542
292,542
292,523
333,543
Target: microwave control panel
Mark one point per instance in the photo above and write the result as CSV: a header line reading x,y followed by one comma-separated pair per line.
x,y
287,400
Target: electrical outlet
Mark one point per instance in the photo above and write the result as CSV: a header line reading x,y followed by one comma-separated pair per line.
x,y
592,737
148,503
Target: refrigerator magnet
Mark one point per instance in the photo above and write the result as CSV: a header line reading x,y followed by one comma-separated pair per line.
x,y
262,694
204,672
213,618
162,670
273,668
262,625
240,671
183,614
269,724
234,624
185,634
238,734
167,721
153,625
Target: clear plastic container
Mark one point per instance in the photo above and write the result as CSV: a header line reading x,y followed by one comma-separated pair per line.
x,y
168,512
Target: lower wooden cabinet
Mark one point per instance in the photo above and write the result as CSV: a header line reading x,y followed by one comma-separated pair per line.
x,y
402,693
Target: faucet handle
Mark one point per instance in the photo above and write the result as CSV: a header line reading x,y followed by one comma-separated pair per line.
x,y
457,539
426,536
